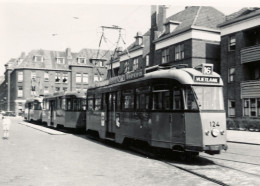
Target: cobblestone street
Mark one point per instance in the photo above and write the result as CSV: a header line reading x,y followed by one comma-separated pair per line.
x,y
33,157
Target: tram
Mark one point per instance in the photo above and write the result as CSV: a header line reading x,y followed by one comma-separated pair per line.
x,y
33,109
65,110
181,109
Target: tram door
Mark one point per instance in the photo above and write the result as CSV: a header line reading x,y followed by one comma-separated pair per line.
x,y
177,117
110,111
52,107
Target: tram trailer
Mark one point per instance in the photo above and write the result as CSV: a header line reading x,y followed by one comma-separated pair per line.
x,y
65,110
178,109
33,110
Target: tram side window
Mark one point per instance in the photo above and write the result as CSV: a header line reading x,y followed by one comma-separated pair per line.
x,y
84,104
128,99
119,100
97,103
142,98
90,104
112,101
69,104
190,102
177,99
75,105
161,100
63,104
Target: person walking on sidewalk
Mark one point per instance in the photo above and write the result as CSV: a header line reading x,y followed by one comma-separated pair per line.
x,y
6,122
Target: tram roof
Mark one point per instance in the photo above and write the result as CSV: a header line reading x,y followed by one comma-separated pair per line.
x,y
78,94
188,76
34,99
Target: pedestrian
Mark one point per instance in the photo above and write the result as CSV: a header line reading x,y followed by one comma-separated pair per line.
x,y
6,126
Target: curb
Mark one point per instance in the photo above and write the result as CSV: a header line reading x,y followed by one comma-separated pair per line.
x,y
42,129
243,143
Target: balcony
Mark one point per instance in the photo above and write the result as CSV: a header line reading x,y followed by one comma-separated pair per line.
x,y
250,89
250,54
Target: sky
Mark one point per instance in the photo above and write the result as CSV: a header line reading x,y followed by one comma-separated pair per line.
x,y
26,25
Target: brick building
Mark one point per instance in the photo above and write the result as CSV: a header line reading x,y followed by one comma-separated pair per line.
x,y
190,37
45,72
240,63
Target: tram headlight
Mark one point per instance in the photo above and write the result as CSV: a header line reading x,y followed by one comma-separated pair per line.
x,y
222,132
215,132
207,132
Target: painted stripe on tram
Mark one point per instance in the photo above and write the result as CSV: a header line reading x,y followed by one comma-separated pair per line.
x,y
43,129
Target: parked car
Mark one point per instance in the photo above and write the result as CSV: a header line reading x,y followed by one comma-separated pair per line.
x,y
10,113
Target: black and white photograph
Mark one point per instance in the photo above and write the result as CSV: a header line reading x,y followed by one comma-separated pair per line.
x,y
129,93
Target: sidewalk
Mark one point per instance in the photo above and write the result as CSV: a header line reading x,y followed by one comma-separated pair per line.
x,y
233,136
246,137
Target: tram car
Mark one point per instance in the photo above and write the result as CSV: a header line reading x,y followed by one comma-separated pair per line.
x,y
33,110
65,110
180,109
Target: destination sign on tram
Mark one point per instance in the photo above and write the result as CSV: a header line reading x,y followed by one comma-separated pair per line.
x,y
203,79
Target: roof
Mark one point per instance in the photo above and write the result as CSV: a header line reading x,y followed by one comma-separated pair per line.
x,y
240,15
50,57
195,16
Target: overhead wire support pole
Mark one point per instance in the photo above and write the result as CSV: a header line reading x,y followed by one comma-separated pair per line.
x,y
113,27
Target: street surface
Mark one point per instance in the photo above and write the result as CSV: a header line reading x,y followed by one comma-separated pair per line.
x,y
35,157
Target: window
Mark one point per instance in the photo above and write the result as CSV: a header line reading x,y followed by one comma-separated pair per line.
x,y
65,89
83,104
63,104
20,76
161,97
85,78
252,107
209,98
20,92
126,65
33,75
46,90
95,77
147,60
46,76
128,99
57,89
60,60
90,103
232,43
142,98
33,90
189,100
38,58
65,78
231,108
135,64
81,60
97,103
57,77
165,55
179,52
177,99
78,78
231,74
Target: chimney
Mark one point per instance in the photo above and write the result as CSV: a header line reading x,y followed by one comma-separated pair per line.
x,y
161,17
138,39
158,17
68,53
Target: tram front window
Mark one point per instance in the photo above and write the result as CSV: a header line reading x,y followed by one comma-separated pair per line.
x,y
209,98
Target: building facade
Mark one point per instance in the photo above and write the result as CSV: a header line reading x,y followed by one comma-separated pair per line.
x,y
240,63
43,72
190,37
